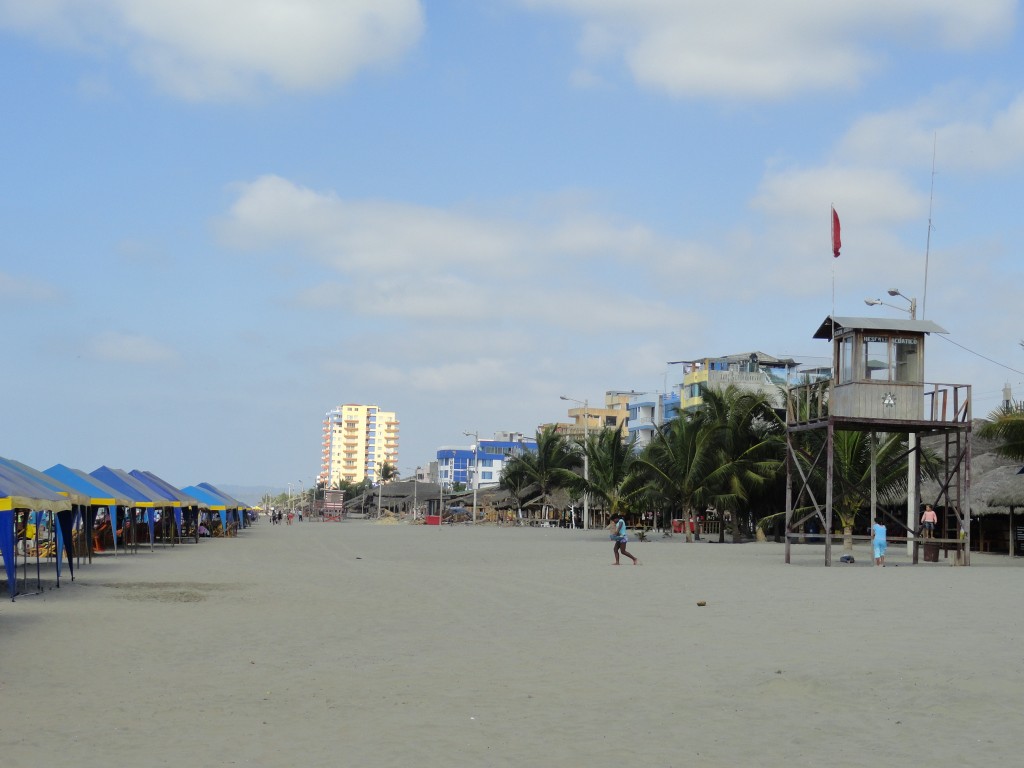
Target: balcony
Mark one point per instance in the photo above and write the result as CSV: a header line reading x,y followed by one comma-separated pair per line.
x,y
929,404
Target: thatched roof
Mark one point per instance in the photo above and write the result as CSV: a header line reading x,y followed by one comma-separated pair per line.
x,y
996,484
1007,488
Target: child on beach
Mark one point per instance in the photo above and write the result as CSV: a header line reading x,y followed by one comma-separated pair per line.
x,y
878,541
620,538
928,521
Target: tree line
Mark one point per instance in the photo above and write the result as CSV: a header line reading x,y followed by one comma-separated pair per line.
x,y
728,458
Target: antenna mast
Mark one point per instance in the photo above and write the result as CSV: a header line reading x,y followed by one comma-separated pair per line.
x,y
928,241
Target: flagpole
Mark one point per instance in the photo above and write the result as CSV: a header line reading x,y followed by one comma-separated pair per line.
x,y
831,225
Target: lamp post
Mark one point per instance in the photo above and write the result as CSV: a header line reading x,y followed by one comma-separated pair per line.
x,y
415,487
586,459
380,488
912,501
476,460
913,302
911,310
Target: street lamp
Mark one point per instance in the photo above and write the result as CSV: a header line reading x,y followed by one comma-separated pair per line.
x,y
913,302
911,310
586,458
476,460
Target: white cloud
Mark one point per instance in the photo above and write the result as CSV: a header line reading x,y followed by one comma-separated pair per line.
x,y
356,236
202,50
982,138
750,48
417,262
878,195
25,290
129,348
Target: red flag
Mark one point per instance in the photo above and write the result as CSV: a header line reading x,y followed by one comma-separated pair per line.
x,y
836,242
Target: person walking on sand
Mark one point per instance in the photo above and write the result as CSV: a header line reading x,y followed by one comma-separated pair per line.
x,y
621,539
878,541
928,521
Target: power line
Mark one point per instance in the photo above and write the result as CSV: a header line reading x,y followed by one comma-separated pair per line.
x,y
978,354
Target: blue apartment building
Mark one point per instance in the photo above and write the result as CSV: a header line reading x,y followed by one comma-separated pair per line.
x,y
455,464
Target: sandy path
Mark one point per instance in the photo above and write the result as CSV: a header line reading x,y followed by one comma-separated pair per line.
x,y
357,644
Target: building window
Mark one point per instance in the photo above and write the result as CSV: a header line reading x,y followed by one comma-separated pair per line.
x,y
876,361
486,475
908,361
846,360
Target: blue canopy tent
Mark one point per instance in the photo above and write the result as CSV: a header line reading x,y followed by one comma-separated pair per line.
x,y
100,495
18,492
240,507
67,520
213,502
190,503
142,496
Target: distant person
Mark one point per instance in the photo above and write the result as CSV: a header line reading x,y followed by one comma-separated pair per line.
x,y
878,541
928,521
620,538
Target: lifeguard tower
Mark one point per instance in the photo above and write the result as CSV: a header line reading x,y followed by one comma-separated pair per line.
x,y
878,386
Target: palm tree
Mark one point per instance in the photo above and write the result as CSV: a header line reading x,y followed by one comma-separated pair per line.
x,y
540,473
1006,425
517,479
614,476
682,462
751,448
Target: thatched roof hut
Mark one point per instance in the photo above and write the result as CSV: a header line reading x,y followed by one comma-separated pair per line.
x,y
995,482
997,496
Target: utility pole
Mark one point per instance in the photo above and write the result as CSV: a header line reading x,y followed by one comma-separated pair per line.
x,y
476,467
586,459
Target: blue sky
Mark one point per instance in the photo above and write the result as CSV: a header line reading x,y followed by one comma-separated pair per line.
x,y
220,220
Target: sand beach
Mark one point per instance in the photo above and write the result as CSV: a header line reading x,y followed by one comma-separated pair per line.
x,y
363,644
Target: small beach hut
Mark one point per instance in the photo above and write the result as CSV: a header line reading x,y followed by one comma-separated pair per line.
x,y
1008,493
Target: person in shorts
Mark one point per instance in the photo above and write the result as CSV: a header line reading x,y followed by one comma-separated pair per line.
x,y
620,538
928,521
878,541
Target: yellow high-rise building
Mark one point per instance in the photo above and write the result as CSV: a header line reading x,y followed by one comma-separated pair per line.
x,y
357,440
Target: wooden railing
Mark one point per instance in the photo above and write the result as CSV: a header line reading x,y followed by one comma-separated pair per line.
x,y
947,402
943,403
807,403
